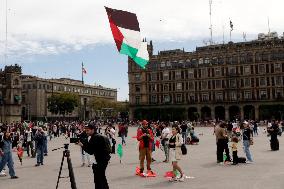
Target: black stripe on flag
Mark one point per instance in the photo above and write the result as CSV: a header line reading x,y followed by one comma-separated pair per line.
x,y
123,19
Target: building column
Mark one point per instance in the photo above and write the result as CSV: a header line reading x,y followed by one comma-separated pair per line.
x,y
212,112
131,114
186,113
242,116
256,112
227,116
199,112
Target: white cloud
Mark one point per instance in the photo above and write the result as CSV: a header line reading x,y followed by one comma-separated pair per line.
x,y
56,26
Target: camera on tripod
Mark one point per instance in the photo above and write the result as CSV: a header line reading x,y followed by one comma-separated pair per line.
x,y
74,140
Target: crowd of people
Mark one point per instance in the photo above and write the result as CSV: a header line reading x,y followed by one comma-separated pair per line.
x,y
31,140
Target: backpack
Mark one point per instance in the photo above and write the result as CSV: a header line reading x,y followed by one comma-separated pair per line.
x,y
107,145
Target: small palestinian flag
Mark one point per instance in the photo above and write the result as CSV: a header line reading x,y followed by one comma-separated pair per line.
x,y
126,33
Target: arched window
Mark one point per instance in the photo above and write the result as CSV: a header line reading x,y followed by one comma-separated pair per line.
x,y
16,82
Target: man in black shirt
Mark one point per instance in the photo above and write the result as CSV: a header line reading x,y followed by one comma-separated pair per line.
x,y
274,130
184,131
97,146
247,137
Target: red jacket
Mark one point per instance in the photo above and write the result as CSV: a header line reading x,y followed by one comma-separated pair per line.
x,y
140,138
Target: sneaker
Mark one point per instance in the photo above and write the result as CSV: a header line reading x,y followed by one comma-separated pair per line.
x,y
153,160
173,179
181,179
2,174
249,162
36,165
150,173
166,161
41,163
14,177
89,165
83,164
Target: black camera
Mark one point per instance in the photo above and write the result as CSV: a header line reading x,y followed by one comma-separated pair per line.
x,y
74,140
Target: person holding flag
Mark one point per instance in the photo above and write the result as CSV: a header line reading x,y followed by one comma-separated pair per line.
x,y
146,138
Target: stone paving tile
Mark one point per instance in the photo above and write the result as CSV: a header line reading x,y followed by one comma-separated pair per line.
x,y
266,172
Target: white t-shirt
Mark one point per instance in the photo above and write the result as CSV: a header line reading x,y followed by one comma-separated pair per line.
x,y
235,125
29,137
166,133
112,132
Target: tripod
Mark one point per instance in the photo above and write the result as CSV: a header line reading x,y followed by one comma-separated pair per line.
x,y
66,153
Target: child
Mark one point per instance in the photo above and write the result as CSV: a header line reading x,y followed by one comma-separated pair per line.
x,y
235,149
20,152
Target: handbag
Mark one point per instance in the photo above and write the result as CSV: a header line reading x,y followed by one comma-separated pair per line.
x,y
183,149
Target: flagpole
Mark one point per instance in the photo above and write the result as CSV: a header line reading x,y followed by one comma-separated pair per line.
x,y
82,73
6,39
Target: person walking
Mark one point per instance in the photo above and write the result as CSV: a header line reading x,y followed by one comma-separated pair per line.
x,y
39,140
29,142
247,141
175,143
99,146
184,133
273,131
122,133
165,141
6,153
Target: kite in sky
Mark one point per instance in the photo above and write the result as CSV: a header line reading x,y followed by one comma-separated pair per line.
x,y
126,33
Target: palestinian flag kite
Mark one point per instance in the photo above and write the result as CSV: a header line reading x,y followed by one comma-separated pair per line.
x,y
126,33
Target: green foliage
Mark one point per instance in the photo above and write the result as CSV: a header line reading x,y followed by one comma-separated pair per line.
x,y
101,104
62,103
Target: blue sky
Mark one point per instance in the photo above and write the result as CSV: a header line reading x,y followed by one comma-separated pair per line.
x,y
51,38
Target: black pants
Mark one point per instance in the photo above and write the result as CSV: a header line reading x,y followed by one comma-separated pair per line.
x,y
274,143
222,145
235,157
99,171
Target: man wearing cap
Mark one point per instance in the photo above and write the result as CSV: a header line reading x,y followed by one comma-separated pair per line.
x,y
146,138
99,146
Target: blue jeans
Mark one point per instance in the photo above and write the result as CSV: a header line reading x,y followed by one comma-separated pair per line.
x,y
39,151
45,146
184,136
123,139
8,159
246,144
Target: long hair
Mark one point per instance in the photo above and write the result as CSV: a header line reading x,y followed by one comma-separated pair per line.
x,y
176,127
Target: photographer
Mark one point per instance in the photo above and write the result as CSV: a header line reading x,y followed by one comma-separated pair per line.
x,y
98,146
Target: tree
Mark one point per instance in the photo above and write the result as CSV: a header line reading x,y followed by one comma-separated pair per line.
x,y
62,103
111,107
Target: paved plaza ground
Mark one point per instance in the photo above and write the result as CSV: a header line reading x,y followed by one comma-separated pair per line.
x,y
266,172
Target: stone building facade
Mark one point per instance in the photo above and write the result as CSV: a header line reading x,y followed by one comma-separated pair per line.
x,y
227,81
10,94
35,93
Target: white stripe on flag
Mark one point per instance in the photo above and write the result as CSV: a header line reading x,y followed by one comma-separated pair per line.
x,y
143,52
131,37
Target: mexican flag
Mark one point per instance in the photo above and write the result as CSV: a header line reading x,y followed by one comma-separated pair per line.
x,y
126,33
